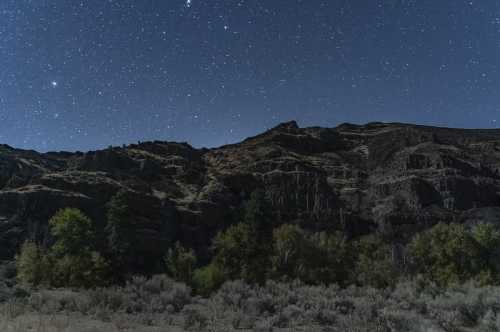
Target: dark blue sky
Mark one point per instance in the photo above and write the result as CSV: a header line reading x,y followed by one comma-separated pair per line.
x,y
88,74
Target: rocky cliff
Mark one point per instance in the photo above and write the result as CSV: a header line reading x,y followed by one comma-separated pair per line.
x,y
393,178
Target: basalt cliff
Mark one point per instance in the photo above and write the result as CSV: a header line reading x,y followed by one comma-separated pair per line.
x,y
392,178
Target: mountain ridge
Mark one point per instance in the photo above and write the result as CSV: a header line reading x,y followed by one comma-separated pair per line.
x,y
393,178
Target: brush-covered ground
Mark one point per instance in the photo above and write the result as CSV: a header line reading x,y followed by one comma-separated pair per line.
x,y
160,304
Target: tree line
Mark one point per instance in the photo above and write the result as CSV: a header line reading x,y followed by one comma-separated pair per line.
x,y
255,249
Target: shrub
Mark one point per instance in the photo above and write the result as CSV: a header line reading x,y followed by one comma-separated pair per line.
x,y
194,319
163,304
208,279
181,263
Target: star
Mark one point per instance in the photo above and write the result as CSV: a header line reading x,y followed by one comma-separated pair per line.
x,y
54,84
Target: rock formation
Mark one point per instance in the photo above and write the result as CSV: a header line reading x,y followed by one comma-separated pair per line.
x,y
394,178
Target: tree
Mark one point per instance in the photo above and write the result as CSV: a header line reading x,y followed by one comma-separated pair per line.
x,y
259,214
243,250
207,279
30,264
318,258
233,251
328,259
120,228
73,232
74,258
87,269
288,258
374,266
181,263
488,238
121,232
132,218
449,254
71,261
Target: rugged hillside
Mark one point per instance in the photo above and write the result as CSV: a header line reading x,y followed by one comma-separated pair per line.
x,y
395,178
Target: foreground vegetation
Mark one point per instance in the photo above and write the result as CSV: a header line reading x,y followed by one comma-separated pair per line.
x,y
160,304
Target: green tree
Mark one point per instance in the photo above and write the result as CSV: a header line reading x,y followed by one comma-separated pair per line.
x,y
260,219
328,259
208,279
87,269
76,263
31,264
374,266
73,232
181,263
120,229
488,238
318,258
128,225
243,250
259,213
234,250
448,254
288,258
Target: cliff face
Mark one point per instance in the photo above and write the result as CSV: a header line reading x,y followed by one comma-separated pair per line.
x,y
394,178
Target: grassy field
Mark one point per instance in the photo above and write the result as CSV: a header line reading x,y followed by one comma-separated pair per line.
x,y
159,304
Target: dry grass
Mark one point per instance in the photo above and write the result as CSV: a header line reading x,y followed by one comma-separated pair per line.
x,y
160,304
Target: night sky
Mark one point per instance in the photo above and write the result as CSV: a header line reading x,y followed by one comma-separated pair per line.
x,y
80,75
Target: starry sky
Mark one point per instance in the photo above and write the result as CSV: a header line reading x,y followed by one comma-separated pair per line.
x,y
80,75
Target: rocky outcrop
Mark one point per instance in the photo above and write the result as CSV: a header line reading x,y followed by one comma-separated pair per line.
x,y
394,178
